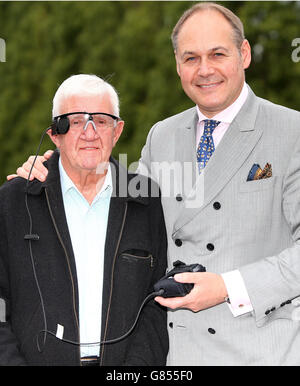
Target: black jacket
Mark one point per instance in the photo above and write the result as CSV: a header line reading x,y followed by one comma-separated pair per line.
x,y
135,258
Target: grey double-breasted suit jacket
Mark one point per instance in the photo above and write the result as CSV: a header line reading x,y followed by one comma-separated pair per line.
x,y
233,224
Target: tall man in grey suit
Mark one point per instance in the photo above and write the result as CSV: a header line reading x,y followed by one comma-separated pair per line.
x,y
236,210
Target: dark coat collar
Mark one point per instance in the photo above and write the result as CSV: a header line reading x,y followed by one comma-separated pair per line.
x,y
120,177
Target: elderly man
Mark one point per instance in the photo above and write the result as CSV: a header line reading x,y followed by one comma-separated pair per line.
x,y
244,223
77,257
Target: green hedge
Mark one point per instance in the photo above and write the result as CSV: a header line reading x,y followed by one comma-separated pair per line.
x,y
127,43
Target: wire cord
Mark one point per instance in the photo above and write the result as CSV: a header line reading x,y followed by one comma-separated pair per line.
x,y
115,340
31,236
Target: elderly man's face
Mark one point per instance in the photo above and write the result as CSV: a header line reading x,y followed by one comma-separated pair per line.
x,y
86,150
210,66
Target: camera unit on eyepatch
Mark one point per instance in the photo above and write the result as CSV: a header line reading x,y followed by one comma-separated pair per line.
x,y
60,125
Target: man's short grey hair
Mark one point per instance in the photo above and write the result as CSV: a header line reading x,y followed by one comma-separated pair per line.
x,y
234,21
84,85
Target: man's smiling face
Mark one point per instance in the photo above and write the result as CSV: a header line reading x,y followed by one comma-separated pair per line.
x,y
210,65
84,150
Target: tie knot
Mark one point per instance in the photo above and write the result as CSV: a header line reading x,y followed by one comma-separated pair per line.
x,y
209,126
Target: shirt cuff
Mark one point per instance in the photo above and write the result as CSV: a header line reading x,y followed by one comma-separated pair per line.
x,y
238,296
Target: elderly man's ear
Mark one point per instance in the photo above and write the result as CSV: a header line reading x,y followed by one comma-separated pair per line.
x,y
118,131
54,138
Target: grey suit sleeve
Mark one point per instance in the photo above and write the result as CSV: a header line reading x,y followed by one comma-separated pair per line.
x,y
274,281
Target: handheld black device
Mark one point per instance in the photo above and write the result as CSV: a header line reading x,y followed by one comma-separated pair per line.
x,y
171,288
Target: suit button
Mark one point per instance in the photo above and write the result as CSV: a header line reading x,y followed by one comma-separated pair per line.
x,y
211,331
210,247
217,205
171,324
178,197
178,242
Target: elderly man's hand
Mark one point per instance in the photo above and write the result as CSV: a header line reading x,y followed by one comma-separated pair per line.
x,y
209,290
39,171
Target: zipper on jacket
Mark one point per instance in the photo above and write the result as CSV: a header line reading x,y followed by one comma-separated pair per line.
x,y
150,257
112,282
69,268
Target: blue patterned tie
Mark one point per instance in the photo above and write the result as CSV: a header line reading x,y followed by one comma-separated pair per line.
x,y
206,145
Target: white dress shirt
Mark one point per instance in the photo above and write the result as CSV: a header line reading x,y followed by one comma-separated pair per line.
x,y
236,289
87,227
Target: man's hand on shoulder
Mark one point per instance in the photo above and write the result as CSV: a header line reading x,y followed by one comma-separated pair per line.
x,y
39,171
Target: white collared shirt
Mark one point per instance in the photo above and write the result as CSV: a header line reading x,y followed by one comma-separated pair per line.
x,y
239,299
87,227
225,117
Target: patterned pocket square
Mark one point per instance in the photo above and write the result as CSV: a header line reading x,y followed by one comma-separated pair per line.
x,y
256,173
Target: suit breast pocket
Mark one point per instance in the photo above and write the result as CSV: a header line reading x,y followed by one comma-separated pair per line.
x,y
135,270
133,256
253,209
257,185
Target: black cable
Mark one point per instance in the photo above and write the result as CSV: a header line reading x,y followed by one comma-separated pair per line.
x,y
36,155
115,340
30,237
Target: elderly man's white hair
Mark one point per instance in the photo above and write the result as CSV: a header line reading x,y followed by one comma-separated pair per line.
x,y
84,84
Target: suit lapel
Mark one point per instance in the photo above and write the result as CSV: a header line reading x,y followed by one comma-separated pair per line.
x,y
115,217
185,155
233,150
113,234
